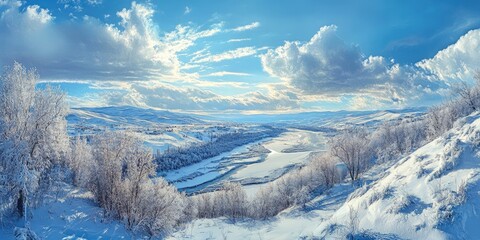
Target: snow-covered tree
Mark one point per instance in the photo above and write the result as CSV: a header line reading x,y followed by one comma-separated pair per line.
x,y
81,162
469,94
33,135
231,201
326,167
114,155
352,147
122,185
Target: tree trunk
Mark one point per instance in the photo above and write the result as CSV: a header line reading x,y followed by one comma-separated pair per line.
x,y
20,203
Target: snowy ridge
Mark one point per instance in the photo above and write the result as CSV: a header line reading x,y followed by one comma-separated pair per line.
x,y
430,194
326,119
128,115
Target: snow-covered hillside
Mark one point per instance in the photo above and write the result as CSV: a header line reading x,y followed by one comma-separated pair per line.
x,y
431,194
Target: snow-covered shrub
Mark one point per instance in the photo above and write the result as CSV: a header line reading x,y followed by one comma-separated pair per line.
x,y
123,187
326,168
230,201
466,100
293,188
353,221
462,191
449,158
391,140
24,234
263,204
378,193
445,202
401,202
467,94
156,207
81,162
204,205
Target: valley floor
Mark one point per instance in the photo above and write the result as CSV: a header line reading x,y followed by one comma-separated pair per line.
x,y
252,165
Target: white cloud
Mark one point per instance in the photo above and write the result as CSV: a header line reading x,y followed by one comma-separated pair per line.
x,y
231,54
35,13
90,49
247,27
184,36
225,73
187,10
327,66
458,61
239,40
94,2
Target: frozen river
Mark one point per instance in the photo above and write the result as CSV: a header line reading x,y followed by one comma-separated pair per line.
x,y
252,165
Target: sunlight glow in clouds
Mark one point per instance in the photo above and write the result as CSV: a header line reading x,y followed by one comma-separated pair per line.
x,y
219,62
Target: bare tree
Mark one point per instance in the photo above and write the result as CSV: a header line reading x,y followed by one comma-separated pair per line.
x,y
352,148
469,94
328,169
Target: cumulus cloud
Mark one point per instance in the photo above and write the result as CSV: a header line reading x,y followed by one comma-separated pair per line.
x,y
247,27
89,49
458,61
325,64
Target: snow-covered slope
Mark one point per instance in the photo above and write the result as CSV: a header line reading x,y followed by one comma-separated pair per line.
x,y
431,194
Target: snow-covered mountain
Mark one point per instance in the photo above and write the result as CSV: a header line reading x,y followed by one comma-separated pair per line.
x,y
127,115
324,119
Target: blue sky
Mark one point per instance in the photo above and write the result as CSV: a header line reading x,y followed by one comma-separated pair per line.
x,y
249,56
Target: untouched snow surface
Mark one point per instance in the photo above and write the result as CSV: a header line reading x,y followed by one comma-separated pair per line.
x,y
70,214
